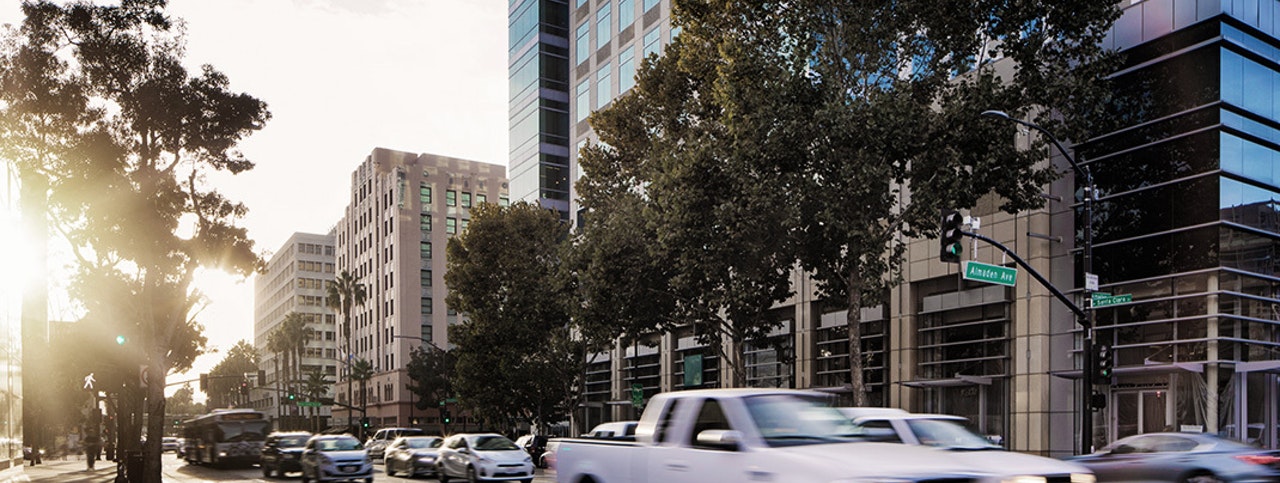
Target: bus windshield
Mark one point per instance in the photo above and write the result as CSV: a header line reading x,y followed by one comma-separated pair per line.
x,y
237,431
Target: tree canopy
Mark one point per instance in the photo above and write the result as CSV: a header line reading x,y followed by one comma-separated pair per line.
x,y
816,134
514,349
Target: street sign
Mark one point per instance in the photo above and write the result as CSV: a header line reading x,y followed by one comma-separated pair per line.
x,y
693,371
985,272
1118,299
1100,295
637,395
309,404
1090,281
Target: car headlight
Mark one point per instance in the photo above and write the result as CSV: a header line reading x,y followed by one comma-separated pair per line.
x,y
529,459
483,459
430,459
1024,479
1083,478
324,460
222,454
367,460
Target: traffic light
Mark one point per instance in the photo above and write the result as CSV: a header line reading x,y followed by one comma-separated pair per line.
x,y
364,422
292,396
1098,401
120,339
444,416
177,422
1104,364
244,388
950,237
204,383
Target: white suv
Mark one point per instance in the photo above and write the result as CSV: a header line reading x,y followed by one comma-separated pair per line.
x,y
332,457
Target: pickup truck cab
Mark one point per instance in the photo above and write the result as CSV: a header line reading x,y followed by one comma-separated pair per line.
x,y
950,433
774,435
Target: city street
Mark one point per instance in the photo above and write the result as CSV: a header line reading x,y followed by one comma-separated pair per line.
x,y
178,471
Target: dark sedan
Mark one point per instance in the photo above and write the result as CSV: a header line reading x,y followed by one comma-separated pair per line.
x,y
282,453
1182,457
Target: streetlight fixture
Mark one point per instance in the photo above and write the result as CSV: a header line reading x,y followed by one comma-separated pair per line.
x,y
1086,393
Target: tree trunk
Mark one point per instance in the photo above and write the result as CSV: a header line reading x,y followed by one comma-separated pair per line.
x,y
853,324
34,200
155,423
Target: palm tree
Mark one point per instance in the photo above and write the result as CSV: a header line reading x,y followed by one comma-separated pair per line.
x,y
362,370
316,386
275,344
289,342
344,294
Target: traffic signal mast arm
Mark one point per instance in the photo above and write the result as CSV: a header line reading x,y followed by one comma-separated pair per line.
x,y
1081,317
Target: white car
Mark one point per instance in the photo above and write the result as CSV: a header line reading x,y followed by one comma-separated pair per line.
x,y
947,432
483,457
332,457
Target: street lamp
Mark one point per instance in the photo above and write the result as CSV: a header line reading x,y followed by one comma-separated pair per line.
x,y
1086,403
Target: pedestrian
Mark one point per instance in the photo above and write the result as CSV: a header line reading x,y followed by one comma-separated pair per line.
x,y
92,445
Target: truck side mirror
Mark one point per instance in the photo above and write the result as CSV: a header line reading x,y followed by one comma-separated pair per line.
x,y
720,439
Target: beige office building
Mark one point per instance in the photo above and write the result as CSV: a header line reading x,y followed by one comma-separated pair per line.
x,y
295,281
403,209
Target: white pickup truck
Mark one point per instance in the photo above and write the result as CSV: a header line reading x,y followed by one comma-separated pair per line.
x,y
741,435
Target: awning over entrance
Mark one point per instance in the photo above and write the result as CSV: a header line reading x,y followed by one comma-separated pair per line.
x,y
959,380
1196,367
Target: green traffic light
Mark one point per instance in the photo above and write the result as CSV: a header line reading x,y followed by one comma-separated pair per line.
x,y
119,340
954,249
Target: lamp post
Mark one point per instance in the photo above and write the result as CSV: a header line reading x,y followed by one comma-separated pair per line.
x,y
1086,393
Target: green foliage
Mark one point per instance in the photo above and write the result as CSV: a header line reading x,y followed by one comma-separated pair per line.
x,y
225,378
516,358
181,403
344,294
776,133
431,369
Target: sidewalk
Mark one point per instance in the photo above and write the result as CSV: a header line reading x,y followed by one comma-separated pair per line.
x,y
71,471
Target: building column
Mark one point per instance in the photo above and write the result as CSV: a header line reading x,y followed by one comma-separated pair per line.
x,y
1211,369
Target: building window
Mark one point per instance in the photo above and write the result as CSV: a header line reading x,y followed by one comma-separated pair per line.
x,y
466,199
582,42
604,85
451,198
583,101
480,198
651,39
426,306
603,31
451,225
626,13
426,250
425,223
426,278
648,4
504,201
626,69
465,222
582,2
424,195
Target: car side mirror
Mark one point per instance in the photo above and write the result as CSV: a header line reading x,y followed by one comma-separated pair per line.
x,y
464,451
720,439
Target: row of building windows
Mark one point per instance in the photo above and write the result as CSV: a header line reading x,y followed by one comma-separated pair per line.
x,y
604,76
319,267
312,283
315,249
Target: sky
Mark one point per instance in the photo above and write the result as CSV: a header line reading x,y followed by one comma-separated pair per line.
x,y
340,77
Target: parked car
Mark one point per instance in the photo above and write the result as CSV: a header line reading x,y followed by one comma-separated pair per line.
x,y
620,430
490,457
535,445
335,457
282,452
1182,457
413,455
950,433
379,441
169,444
182,448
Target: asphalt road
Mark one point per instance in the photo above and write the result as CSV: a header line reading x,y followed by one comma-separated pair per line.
x,y
178,471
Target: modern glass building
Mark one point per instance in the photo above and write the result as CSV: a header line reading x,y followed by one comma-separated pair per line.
x,y
11,441
538,53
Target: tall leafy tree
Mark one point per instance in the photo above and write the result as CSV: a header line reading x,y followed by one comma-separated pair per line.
x,y
344,295
431,369
516,357
225,378
860,118
138,175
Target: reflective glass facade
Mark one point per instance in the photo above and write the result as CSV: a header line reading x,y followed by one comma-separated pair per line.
x,y
538,70
10,343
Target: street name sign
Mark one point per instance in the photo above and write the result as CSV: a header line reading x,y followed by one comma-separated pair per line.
x,y
985,272
313,404
1113,300
1090,281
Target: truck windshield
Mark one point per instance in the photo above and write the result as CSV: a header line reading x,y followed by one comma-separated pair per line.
x,y
942,433
788,420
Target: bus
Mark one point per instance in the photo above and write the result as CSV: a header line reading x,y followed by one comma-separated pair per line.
x,y
225,437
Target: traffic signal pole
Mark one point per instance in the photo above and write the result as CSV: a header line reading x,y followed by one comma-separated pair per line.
x,y
1087,318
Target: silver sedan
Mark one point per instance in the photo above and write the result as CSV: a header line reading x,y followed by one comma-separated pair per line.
x,y
1182,457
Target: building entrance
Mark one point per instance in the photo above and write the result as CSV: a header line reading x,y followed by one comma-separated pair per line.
x,y
1141,411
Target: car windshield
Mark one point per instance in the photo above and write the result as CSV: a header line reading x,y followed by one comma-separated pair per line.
x,y
949,434
493,443
787,420
340,444
292,441
420,443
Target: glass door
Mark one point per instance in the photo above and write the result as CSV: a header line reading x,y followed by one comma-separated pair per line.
x,y
1137,412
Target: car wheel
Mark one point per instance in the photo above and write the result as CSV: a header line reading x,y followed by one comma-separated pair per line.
x,y
471,475
1202,477
266,471
440,474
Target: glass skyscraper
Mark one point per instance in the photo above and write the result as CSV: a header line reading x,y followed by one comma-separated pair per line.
x,y
538,52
